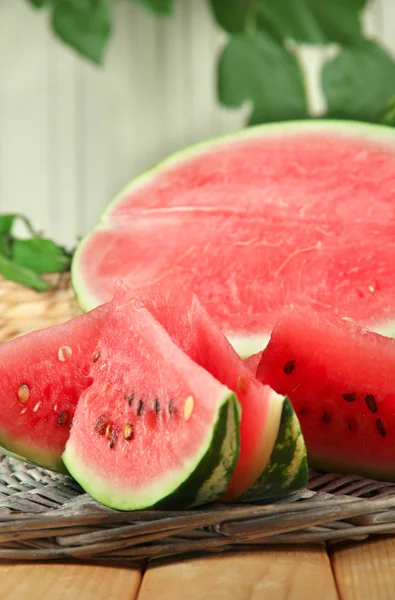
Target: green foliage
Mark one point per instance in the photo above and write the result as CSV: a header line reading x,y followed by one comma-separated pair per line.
x,y
313,21
25,260
358,82
85,25
257,65
245,67
162,7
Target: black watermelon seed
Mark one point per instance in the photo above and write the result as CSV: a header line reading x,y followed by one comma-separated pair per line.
x,y
131,398
171,407
349,397
113,438
140,407
289,367
381,428
63,418
156,406
371,403
326,417
352,425
302,411
96,357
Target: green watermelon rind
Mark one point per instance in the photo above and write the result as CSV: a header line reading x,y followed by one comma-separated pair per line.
x,y
203,479
287,470
244,345
31,454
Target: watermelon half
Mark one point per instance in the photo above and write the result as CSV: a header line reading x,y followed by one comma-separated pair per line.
x,y
154,428
340,378
42,375
300,213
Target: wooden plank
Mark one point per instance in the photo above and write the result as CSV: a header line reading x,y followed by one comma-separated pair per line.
x,y
272,574
68,582
365,570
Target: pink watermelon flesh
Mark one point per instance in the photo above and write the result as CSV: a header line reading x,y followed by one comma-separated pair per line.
x,y
154,428
197,334
253,361
42,375
340,379
299,213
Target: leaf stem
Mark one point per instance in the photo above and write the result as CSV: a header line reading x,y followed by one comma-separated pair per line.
x,y
250,25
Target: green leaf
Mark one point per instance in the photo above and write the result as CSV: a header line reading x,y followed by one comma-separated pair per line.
x,y
38,3
40,255
162,7
231,15
313,21
262,71
22,275
6,223
359,82
85,25
388,113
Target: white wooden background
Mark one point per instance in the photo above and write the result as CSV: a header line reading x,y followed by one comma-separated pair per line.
x,y
71,134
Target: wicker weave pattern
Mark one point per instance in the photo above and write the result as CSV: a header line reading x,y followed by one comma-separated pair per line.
x,y
22,310
48,516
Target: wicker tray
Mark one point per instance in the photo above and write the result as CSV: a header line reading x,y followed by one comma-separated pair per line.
x,y
44,515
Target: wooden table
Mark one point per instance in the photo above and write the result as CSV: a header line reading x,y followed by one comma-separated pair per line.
x,y
346,572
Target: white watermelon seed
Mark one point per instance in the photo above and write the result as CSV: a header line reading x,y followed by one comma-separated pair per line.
x,y
371,289
23,393
105,387
108,430
23,410
35,409
188,407
64,353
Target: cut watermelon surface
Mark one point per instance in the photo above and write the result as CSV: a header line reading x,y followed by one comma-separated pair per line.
x,y
264,412
340,378
42,375
298,213
154,428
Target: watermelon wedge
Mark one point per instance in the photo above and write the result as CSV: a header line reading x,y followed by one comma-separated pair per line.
x,y
154,428
265,414
42,375
298,213
340,378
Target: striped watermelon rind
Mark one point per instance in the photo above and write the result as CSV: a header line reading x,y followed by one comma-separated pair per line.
x,y
203,479
287,470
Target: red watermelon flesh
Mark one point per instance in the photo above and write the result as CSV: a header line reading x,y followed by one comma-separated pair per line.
x,y
340,378
154,428
297,213
195,332
42,375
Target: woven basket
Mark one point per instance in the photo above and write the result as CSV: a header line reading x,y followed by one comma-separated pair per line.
x,y
44,515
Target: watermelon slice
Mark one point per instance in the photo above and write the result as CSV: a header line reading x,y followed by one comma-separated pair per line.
x,y
42,375
340,378
265,414
155,428
287,213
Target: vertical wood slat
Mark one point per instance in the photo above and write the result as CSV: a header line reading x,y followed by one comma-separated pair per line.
x,y
68,582
278,574
24,112
365,571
